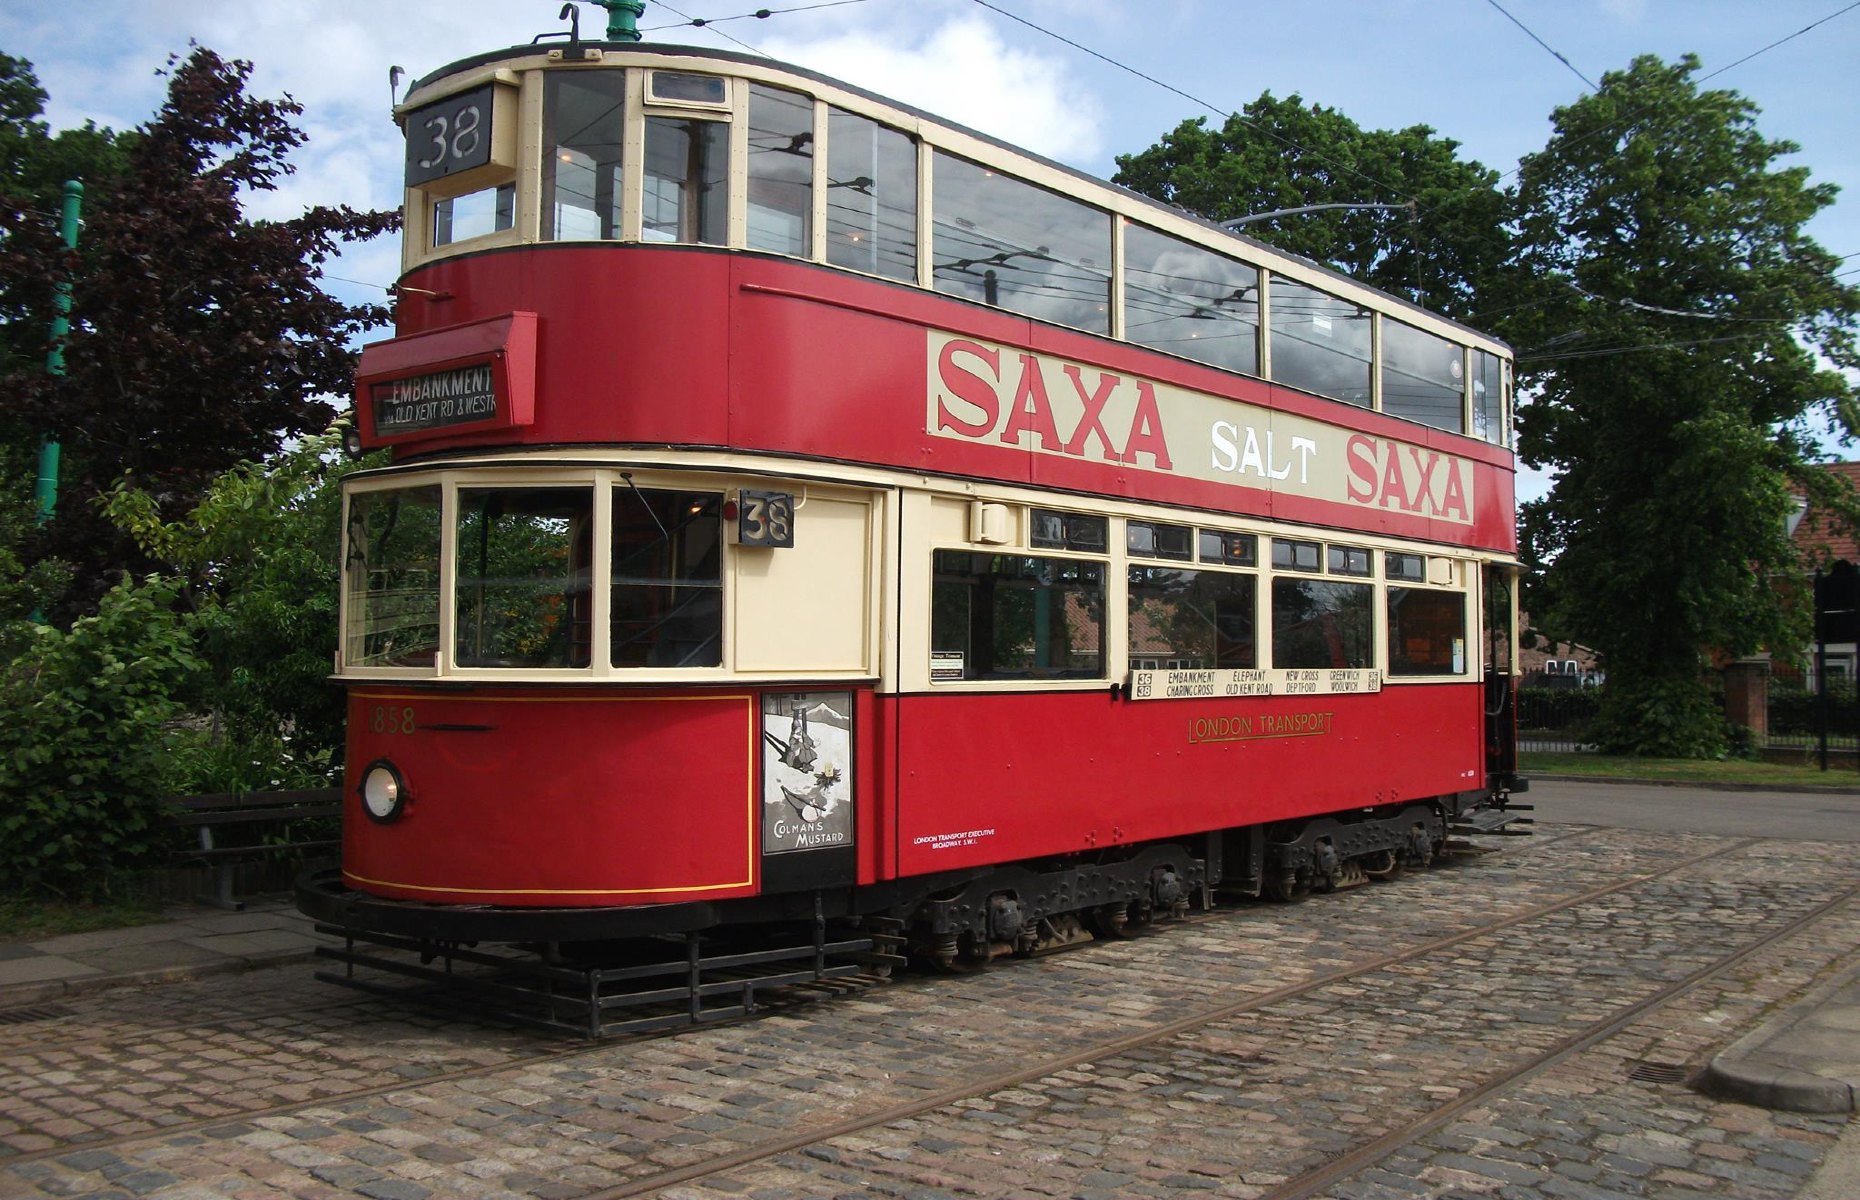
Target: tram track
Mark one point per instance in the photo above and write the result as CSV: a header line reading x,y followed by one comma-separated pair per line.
x,y
569,1052
1113,1047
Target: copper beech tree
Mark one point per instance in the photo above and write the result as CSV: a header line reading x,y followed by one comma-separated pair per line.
x,y
200,337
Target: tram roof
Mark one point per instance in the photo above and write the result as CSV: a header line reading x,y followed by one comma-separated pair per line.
x,y
534,49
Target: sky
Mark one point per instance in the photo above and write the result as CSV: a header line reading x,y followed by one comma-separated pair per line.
x,y
1470,70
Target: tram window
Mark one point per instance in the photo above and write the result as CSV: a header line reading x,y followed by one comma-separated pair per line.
x,y
781,171
1288,555
1350,560
522,590
392,558
1010,616
1409,567
1006,242
1149,539
1427,632
676,87
460,218
1194,619
1070,531
1319,342
871,197
583,121
1190,301
1423,377
667,578
1234,549
1489,399
1320,623
687,193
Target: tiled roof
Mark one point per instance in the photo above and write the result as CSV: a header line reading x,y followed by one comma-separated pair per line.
x,y
1816,534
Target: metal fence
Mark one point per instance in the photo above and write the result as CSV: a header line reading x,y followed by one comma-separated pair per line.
x,y
1556,720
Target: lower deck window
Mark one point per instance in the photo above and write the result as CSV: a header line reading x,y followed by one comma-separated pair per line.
x,y
1427,632
523,556
1010,616
1192,619
393,578
1319,623
667,578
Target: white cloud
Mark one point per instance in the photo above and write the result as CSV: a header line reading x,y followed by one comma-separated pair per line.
x,y
963,71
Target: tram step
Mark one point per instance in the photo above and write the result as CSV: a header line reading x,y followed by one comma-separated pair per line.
x,y
1493,822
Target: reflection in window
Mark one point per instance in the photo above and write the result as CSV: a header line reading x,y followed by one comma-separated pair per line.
x,y
1191,619
1317,623
460,218
1289,555
1150,539
1489,399
1009,243
1319,342
667,578
1423,377
781,170
583,117
392,557
1186,300
1008,616
1427,632
523,556
687,181
871,197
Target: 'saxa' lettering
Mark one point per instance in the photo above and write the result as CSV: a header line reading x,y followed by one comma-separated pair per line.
x,y
973,383
1405,479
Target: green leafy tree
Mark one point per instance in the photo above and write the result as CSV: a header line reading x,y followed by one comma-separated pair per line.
x,y
1277,154
86,750
201,337
1682,339
255,567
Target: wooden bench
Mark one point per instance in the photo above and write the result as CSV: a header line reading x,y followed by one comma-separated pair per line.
x,y
222,811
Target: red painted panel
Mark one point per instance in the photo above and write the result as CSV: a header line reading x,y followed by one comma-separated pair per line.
x,y
566,799
990,778
682,346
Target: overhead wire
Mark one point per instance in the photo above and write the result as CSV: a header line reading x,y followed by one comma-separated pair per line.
x,y
1551,50
761,14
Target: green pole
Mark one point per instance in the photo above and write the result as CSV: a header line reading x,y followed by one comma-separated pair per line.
x,y
46,492
623,19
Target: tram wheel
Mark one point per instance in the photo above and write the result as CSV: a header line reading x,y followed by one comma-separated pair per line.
x,y
1109,921
1289,888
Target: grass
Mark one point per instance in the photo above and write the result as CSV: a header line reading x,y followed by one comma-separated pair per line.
x,y
1687,770
24,920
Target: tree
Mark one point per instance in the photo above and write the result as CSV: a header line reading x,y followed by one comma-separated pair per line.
x,y
1682,336
200,337
1282,154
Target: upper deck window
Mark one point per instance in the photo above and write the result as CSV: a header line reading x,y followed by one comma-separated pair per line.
x,y
1319,342
1006,242
1489,387
686,194
1186,300
1423,377
781,171
584,118
460,218
871,197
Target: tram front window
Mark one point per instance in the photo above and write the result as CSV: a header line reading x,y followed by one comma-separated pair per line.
x,y
523,577
392,569
667,578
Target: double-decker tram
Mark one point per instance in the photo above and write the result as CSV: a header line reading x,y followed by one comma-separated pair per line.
x,y
817,532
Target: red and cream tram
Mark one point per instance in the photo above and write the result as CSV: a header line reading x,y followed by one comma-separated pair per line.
x,y
814,519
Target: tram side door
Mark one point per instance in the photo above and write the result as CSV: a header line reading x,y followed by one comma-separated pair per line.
x,y
1501,639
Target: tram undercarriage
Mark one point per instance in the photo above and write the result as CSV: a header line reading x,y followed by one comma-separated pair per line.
x,y
601,972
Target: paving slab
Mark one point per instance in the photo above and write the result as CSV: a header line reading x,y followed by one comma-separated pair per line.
x,y
1805,1058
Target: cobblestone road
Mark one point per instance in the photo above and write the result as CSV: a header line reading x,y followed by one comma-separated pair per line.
x,y
272,1084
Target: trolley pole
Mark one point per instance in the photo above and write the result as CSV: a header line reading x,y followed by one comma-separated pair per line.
x,y
623,19
46,490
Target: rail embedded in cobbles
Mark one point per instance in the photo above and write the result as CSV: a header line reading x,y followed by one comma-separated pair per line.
x,y
1121,1095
